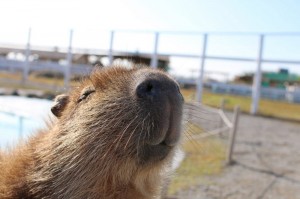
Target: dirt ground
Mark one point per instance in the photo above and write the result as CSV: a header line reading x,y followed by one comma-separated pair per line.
x,y
267,164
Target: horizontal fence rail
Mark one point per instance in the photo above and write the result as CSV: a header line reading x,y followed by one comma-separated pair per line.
x,y
70,68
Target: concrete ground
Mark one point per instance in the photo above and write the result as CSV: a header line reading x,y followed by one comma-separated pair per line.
x,y
267,164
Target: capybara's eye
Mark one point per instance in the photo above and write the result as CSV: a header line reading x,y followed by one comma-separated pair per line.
x,y
85,93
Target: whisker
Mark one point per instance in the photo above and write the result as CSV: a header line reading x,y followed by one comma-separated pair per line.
x,y
143,124
119,140
131,135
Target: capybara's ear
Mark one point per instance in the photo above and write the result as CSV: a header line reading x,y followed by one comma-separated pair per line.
x,y
59,105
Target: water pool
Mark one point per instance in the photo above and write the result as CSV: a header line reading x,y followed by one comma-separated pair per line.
x,y
21,116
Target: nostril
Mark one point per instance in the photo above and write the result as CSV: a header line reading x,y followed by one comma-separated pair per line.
x,y
146,89
149,87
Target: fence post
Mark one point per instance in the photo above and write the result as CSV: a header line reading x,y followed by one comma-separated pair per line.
x,y
232,135
257,79
222,108
201,75
69,62
27,54
110,52
154,60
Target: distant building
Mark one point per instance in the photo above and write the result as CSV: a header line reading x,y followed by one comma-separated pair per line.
x,y
280,79
80,56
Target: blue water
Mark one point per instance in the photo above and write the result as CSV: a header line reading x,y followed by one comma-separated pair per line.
x,y
33,113
11,129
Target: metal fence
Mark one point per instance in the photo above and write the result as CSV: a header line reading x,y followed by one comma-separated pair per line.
x,y
203,56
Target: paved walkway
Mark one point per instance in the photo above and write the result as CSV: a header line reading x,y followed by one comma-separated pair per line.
x,y
267,155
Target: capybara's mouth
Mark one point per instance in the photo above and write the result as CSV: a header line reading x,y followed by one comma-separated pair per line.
x,y
166,141
155,153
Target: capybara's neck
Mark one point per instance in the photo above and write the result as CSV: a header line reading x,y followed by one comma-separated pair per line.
x,y
42,168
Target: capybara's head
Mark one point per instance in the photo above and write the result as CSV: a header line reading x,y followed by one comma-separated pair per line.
x,y
123,115
114,138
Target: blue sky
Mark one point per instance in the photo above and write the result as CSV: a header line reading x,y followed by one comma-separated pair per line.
x,y
51,20
179,15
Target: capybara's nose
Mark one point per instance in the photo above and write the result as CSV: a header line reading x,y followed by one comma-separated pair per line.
x,y
149,88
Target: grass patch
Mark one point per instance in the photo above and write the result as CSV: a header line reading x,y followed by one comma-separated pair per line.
x,y
270,108
14,76
33,78
204,157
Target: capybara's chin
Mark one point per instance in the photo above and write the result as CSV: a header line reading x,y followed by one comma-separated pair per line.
x,y
114,137
154,154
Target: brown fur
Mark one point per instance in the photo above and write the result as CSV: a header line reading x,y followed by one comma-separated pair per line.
x,y
92,149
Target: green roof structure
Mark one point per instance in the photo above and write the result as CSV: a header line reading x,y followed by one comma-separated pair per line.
x,y
279,79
